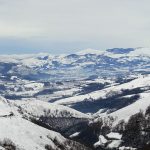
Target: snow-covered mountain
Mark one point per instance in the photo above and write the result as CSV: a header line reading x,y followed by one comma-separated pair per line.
x,y
114,97
92,99
17,132
111,62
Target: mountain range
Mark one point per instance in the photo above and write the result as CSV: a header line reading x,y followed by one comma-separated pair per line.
x,y
90,100
83,64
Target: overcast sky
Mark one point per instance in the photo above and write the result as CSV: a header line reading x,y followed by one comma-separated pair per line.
x,y
65,26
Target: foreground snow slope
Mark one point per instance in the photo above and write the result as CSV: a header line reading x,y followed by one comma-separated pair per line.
x,y
5,109
27,135
23,133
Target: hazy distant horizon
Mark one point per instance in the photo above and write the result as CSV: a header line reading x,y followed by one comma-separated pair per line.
x,y
67,26
53,51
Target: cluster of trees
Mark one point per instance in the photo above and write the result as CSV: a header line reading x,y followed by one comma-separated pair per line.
x,y
113,100
93,87
67,145
136,132
8,144
90,133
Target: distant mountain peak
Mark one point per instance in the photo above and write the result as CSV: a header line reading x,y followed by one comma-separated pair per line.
x,y
120,50
89,51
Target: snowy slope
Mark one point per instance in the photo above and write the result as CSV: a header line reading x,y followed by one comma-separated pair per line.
x,y
5,109
17,71
141,81
26,135
126,112
23,133
40,108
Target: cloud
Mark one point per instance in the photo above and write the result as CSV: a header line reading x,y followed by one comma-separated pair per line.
x,y
76,23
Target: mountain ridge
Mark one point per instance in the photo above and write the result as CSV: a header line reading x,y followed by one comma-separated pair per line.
x,y
81,64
